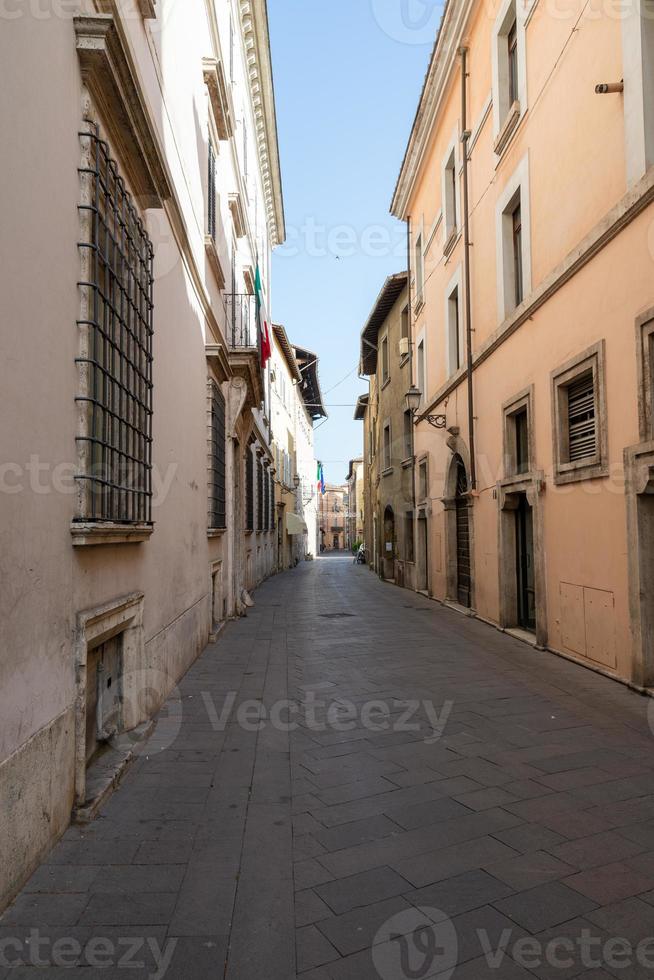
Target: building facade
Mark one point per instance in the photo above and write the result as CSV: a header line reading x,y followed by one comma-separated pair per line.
x,y
531,316
333,508
138,499
296,404
356,497
386,360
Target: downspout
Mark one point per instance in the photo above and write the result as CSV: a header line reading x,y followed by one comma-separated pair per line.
x,y
413,436
465,136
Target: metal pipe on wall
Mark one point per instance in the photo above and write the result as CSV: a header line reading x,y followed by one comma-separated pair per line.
x,y
465,136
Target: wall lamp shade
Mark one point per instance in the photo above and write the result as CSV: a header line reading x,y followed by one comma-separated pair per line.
x,y
413,399
296,481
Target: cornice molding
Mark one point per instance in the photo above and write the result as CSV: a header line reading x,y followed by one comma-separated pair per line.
x,y
256,38
109,75
446,50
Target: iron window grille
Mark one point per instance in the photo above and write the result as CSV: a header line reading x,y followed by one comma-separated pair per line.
x,y
249,489
115,361
217,481
272,502
260,508
211,191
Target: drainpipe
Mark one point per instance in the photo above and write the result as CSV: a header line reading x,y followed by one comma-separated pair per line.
x,y
465,136
413,437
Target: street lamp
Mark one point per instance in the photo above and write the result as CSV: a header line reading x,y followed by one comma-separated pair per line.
x,y
413,398
296,481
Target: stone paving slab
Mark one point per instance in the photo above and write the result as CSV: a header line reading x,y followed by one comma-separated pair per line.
x,y
440,790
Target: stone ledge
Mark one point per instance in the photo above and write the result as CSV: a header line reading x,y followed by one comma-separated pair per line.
x,y
85,534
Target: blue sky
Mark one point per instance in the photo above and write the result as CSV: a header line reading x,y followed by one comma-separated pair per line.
x,y
348,74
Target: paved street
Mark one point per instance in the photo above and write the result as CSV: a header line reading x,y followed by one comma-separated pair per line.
x,y
443,790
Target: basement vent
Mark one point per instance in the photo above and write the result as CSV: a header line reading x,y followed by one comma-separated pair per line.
x,y
582,427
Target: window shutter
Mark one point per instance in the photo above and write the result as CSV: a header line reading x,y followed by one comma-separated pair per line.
x,y
582,425
211,192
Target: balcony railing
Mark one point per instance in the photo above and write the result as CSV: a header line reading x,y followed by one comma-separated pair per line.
x,y
242,325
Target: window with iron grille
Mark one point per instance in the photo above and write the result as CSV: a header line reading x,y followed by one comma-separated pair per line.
x,y
249,488
266,506
580,423
272,502
217,498
115,361
211,191
259,495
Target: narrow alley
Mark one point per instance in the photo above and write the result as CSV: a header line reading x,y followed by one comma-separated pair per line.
x,y
356,782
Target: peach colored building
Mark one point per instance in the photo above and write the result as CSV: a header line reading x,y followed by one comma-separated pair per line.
x,y
528,196
332,515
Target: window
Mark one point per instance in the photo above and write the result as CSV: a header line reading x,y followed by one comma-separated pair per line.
x,y
211,191
512,57
423,485
249,489
455,340
513,241
450,200
580,436
518,449
408,537
384,360
387,458
260,502
266,501
517,254
271,500
420,270
420,370
115,449
645,355
404,323
509,74
231,49
408,434
217,499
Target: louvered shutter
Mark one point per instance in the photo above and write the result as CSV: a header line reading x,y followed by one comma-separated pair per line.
x,y
582,423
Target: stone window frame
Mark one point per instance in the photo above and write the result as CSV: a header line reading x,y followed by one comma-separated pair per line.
x,y
455,285
593,358
516,189
387,461
522,400
420,499
507,115
384,369
120,617
645,361
451,209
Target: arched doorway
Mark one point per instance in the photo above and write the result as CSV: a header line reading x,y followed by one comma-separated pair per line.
x,y
463,562
388,556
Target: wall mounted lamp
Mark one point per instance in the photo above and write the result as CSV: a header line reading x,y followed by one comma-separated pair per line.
x,y
413,398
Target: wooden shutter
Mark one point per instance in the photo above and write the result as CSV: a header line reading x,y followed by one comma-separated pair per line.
x,y
582,422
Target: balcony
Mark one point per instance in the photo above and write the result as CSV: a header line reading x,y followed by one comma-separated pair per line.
x,y
242,326
244,343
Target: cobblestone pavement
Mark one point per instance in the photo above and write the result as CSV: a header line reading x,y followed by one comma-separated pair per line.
x,y
466,802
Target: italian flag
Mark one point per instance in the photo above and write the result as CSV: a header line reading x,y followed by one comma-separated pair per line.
x,y
264,326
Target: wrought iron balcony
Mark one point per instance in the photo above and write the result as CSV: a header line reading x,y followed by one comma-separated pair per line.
x,y
242,326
